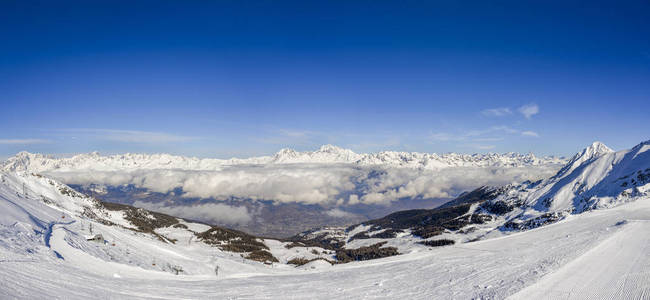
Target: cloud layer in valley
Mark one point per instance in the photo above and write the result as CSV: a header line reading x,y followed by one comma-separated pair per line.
x,y
209,212
323,184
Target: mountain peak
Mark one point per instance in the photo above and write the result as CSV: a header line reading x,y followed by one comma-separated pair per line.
x,y
325,154
329,148
285,151
642,144
596,149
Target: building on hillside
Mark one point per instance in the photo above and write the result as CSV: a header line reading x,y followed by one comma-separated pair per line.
x,y
96,238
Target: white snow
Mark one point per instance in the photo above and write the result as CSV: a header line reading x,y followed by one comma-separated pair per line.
x,y
494,268
595,178
327,154
596,254
617,268
330,176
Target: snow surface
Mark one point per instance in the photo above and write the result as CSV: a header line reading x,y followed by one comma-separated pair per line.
x,y
594,253
523,265
595,178
617,268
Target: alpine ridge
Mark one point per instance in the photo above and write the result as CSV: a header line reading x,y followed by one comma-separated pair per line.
x,y
327,154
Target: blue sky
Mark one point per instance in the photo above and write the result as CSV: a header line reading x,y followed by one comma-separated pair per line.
x,y
242,78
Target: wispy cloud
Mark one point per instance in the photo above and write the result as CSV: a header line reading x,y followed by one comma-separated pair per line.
x,y
491,130
22,141
489,139
481,135
477,137
446,137
130,136
297,137
382,143
529,110
529,133
482,147
296,133
338,213
497,112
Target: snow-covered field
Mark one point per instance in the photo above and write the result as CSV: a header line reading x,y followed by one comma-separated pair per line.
x,y
600,251
599,254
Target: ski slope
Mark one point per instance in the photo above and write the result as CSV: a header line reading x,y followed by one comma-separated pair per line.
x,y
595,253
617,268
547,261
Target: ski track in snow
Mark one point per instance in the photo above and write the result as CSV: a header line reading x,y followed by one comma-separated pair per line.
x,y
618,268
48,232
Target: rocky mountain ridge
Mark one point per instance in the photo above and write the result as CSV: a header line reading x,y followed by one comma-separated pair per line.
x,y
327,154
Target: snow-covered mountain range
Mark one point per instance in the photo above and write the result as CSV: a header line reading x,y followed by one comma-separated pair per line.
x,y
256,194
327,154
599,203
595,178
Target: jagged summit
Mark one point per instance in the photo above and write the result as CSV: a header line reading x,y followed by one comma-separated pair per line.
x,y
596,149
594,178
642,145
333,149
325,154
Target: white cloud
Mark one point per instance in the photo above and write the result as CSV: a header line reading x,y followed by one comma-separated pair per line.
x,y
483,147
401,183
530,133
490,134
129,136
296,133
308,184
491,130
488,139
338,213
497,112
22,141
353,199
215,213
529,110
294,137
483,139
445,137
322,184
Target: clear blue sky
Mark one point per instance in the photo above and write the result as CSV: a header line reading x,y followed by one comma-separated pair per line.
x,y
241,78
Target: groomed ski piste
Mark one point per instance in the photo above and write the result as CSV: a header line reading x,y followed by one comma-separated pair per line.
x,y
599,253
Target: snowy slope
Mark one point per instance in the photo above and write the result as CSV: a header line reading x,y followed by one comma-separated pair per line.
x,y
596,249
597,177
490,269
45,220
617,268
